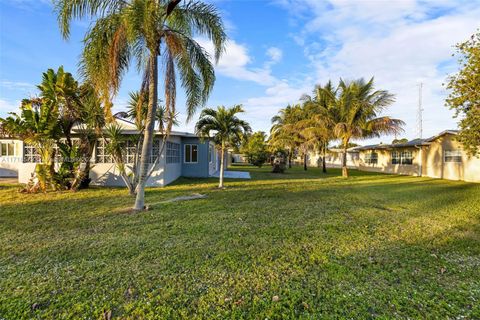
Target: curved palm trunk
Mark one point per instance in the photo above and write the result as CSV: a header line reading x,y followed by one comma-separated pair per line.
x,y
344,161
222,166
149,132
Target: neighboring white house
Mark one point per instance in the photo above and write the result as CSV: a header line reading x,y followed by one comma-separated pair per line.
x,y
333,158
185,155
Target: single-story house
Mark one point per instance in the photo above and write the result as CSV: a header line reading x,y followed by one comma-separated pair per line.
x,y
185,155
440,156
334,158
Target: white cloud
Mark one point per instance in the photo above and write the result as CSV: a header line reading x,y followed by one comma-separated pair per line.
x,y
234,63
275,54
8,106
401,43
17,86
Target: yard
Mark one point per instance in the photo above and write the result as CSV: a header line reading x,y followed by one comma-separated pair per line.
x,y
298,245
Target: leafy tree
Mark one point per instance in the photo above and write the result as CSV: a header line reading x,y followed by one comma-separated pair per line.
x,y
397,141
256,149
464,97
359,107
47,122
142,30
224,127
37,124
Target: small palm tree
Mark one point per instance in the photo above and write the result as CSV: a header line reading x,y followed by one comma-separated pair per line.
x,y
358,107
37,124
224,127
285,132
141,31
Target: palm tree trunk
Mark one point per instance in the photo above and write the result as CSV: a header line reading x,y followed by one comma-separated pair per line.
x,y
324,161
344,161
290,155
222,166
305,162
149,131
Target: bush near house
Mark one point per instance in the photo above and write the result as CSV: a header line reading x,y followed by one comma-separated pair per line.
x,y
298,245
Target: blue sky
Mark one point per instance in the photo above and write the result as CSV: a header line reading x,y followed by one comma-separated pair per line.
x,y
277,51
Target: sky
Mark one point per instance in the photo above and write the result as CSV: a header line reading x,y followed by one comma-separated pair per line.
x,y
277,51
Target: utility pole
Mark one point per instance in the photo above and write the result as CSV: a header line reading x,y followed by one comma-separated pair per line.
x,y
419,132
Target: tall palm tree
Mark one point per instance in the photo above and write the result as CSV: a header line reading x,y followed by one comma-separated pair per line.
x,y
359,107
318,126
224,127
142,30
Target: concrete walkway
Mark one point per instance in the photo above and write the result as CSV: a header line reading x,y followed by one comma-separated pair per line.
x,y
233,175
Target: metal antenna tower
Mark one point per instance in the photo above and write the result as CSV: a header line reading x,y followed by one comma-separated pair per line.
x,y
419,132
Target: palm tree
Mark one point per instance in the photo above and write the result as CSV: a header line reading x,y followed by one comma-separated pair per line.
x,y
37,124
318,127
142,30
225,128
285,133
359,107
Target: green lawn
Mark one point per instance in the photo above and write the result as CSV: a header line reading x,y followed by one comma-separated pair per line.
x,y
298,245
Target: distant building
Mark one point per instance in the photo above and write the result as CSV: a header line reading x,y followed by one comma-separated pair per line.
x,y
440,156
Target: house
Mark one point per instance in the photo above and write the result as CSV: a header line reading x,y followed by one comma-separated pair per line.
x,y
334,158
440,156
184,155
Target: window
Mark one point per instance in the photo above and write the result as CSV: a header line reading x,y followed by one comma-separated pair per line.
x,y
371,158
173,152
395,157
191,153
155,150
211,154
102,155
7,149
453,156
404,157
30,154
131,150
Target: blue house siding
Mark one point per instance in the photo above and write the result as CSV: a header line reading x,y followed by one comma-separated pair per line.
x,y
201,168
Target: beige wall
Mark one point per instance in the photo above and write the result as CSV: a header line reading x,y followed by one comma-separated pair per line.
x,y
429,161
385,162
434,165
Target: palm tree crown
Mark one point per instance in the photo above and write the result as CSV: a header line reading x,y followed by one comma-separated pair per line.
x,y
224,127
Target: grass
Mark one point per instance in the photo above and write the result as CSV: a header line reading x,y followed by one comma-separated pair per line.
x,y
298,245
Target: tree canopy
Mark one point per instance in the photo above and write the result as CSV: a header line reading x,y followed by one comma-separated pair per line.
x,y
464,95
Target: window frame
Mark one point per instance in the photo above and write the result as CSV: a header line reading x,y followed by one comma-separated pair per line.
x,y
173,154
458,156
396,157
7,145
102,145
404,157
369,159
211,153
191,153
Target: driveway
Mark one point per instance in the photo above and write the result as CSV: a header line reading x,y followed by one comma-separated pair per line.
x,y
233,175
